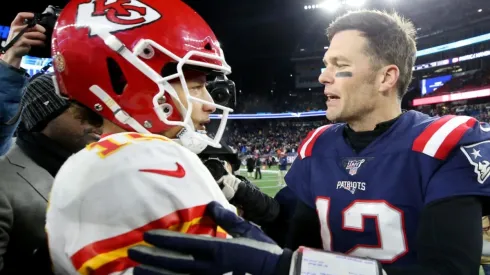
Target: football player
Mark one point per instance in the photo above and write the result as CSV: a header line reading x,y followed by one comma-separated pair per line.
x,y
404,188
142,67
386,184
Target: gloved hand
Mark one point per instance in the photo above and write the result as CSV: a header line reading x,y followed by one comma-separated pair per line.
x,y
229,185
250,251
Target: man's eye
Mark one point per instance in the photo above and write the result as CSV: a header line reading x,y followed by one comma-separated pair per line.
x,y
194,89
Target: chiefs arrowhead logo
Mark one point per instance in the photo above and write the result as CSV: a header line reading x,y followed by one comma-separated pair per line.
x,y
114,15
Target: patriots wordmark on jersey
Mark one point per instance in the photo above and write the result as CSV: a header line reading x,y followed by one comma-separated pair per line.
x,y
106,196
369,203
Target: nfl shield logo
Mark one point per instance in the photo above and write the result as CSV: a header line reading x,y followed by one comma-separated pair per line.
x,y
353,165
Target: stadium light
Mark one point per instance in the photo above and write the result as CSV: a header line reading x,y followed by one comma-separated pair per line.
x,y
355,3
331,5
480,10
334,5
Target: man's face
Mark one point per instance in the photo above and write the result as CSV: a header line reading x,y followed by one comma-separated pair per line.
x,y
348,78
72,130
200,112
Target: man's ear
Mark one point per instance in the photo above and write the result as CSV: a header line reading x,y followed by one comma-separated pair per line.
x,y
389,78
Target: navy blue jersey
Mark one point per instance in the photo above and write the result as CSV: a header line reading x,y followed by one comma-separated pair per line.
x,y
369,203
283,163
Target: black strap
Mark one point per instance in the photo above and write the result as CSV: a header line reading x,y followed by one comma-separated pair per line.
x,y
30,23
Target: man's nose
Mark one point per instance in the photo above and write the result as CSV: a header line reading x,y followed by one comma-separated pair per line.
x,y
208,108
326,77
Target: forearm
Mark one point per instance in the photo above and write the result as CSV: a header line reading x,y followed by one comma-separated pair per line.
x,y
305,228
449,239
257,206
12,82
6,134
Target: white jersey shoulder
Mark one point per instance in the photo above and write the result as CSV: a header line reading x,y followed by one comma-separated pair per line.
x,y
108,194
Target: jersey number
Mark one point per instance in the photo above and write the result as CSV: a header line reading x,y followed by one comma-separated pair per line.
x,y
389,226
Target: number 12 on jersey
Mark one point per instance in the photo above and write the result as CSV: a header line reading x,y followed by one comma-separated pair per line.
x,y
389,226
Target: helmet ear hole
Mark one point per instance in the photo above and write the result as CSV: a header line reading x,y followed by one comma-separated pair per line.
x,y
118,80
208,47
167,109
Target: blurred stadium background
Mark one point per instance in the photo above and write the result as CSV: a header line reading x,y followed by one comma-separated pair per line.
x,y
275,49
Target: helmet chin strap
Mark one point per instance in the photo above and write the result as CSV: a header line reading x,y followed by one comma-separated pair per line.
x,y
194,141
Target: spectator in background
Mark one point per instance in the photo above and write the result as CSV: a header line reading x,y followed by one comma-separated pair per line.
x,y
250,166
51,130
13,78
283,167
258,163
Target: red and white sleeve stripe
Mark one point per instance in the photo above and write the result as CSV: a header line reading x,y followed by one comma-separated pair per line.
x,y
306,147
442,136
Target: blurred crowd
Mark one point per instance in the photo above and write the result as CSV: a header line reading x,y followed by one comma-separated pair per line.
x,y
269,137
479,111
278,103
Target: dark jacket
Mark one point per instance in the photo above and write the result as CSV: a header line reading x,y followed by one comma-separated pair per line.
x,y
250,163
12,82
24,192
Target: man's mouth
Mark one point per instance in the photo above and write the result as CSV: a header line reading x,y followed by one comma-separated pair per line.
x,y
201,126
332,100
94,133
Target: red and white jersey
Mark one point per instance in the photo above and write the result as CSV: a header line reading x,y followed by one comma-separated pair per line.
x,y
106,196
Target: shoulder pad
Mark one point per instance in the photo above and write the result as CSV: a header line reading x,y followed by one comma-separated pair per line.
x,y
306,146
442,135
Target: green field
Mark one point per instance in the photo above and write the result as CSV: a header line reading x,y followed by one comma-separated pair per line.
x,y
269,181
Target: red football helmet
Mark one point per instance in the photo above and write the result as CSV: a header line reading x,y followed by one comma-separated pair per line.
x,y
111,56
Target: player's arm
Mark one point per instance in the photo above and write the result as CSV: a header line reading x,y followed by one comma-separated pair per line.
x,y
257,206
449,238
176,252
269,259
305,225
449,234
304,228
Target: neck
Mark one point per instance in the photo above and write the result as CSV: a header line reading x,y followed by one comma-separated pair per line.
x,y
368,122
172,132
109,128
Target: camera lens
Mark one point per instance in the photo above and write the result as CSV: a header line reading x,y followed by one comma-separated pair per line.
x,y
220,96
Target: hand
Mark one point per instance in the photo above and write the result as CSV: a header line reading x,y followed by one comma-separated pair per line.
x,y
32,37
250,251
229,185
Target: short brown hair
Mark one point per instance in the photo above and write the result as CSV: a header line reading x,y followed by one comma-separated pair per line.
x,y
391,40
